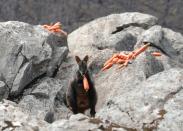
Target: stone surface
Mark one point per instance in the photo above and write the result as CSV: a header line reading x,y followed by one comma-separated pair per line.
x,y
4,91
43,98
80,12
14,118
144,106
96,35
28,52
139,96
146,95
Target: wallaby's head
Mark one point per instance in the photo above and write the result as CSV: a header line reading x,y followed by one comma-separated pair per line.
x,y
82,64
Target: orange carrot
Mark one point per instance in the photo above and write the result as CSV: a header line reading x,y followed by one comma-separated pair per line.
x,y
156,54
121,66
58,23
115,60
107,66
63,32
126,63
140,50
85,84
120,61
110,60
54,27
122,56
57,30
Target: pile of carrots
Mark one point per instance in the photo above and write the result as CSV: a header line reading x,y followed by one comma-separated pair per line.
x,y
124,59
55,28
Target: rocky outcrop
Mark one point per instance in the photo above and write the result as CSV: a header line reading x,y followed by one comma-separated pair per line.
x,y
138,96
26,53
80,12
36,67
30,55
13,118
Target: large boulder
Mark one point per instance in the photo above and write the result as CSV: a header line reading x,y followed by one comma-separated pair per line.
x,y
146,95
97,35
4,92
147,103
140,95
80,12
43,100
27,52
14,118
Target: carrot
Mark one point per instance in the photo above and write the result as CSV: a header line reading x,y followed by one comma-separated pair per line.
x,y
126,63
54,27
57,30
109,65
140,50
122,56
110,60
121,66
85,83
115,60
156,54
58,23
45,26
63,32
120,61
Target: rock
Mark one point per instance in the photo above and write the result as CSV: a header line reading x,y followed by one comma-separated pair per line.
x,y
156,36
81,122
139,97
144,106
173,114
169,42
87,39
12,118
4,91
27,53
43,99
146,95
80,12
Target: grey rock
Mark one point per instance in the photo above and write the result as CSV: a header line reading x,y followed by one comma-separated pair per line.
x,y
156,36
144,106
146,95
43,99
13,118
81,122
27,53
139,97
81,12
173,114
96,35
4,91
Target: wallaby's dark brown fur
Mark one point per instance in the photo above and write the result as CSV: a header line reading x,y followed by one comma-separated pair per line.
x,y
77,99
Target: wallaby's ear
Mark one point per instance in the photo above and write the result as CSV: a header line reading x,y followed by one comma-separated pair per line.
x,y
77,59
85,58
